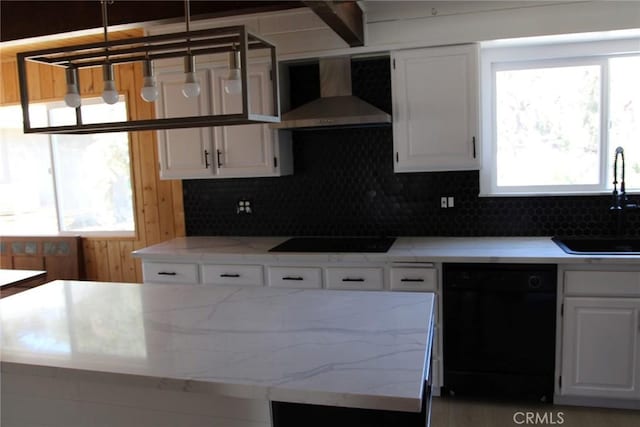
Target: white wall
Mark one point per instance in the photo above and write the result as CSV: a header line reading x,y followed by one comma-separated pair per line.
x,y
392,24
299,33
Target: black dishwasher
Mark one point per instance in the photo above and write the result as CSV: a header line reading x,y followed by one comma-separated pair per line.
x,y
499,325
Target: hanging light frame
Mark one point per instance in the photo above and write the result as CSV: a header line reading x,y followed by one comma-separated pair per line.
x,y
163,46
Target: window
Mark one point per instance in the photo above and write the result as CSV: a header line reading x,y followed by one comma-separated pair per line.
x,y
77,184
553,116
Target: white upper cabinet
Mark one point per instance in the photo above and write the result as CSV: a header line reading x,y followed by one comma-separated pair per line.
x,y
245,150
183,152
222,151
435,109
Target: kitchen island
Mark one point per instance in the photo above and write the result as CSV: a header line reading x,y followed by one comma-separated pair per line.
x,y
14,281
90,353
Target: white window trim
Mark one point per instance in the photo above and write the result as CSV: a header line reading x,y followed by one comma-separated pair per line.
x,y
125,234
511,57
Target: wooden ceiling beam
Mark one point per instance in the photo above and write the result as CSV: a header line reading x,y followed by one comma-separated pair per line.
x,y
344,17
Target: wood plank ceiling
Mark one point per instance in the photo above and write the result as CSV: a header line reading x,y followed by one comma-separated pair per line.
x,y
21,19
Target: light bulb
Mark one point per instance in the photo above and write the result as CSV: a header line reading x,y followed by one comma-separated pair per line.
x,y
191,87
149,91
109,94
72,98
233,85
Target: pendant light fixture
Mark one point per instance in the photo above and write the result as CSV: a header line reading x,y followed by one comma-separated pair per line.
x,y
233,85
234,41
72,98
191,87
149,91
109,93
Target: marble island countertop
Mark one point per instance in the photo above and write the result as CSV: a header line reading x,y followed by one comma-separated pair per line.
x,y
342,348
405,249
15,277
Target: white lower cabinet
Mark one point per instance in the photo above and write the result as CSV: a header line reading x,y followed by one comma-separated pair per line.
x,y
295,277
355,278
413,279
232,274
601,335
423,278
168,272
335,275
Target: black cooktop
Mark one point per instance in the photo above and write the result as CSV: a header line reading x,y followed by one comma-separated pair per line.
x,y
335,244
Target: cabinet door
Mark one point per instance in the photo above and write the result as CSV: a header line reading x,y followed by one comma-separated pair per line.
x,y
184,153
600,356
246,150
435,109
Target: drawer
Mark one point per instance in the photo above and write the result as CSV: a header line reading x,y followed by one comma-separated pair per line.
x,y
295,277
609,283
231,274
436,373
436,346
365,278
167,272
413,279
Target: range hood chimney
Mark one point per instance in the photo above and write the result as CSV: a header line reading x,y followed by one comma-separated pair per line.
x,y
336,105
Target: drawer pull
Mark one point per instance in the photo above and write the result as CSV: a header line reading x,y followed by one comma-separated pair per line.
x,y
353,279
229,275
167,273
292,278
411,280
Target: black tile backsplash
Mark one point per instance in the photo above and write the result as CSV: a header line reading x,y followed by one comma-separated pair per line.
x,y
344,185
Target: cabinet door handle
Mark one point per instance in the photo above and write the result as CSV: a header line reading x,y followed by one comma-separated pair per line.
x,y
292,278
229,275
411,280
218,154
473,141
206,159
353,279
167,273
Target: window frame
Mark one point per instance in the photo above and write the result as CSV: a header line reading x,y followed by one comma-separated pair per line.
x,y
522,54
49,105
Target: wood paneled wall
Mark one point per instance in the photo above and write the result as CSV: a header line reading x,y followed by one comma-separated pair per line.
x,y
159,212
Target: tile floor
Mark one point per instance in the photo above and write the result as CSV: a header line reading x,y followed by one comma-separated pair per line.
x,y
447,412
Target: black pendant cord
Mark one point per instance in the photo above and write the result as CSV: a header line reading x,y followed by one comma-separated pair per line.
x,y
105,25
187,20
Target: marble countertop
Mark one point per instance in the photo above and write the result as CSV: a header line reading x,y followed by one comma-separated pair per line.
x,y
14,277
405,249
343,348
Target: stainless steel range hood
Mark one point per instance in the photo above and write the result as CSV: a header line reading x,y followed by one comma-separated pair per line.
x,y
336,105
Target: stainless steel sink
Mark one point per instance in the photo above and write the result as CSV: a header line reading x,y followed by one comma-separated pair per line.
x,y
598,245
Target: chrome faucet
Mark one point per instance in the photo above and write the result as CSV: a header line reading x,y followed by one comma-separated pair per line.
x,y
620,200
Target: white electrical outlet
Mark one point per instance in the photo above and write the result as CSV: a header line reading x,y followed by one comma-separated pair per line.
x,y
450,201
443,202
